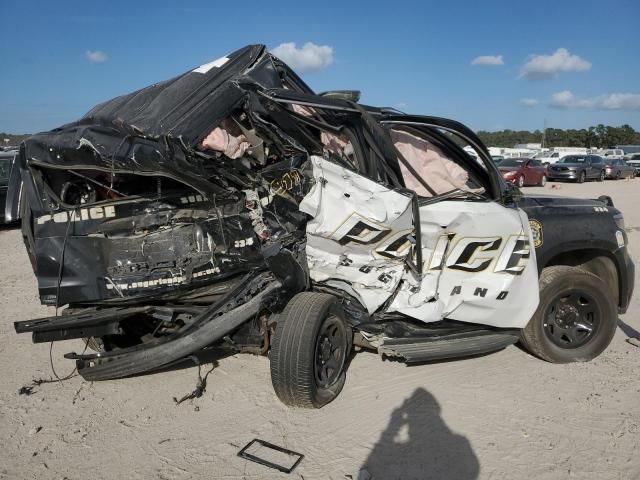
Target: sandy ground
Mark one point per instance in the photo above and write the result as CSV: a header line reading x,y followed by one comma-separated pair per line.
x,y
502,416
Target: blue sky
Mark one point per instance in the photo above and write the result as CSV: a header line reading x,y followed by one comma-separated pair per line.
x,y
60,58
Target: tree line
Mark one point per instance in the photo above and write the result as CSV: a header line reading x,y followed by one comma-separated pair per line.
x,y
600,136
12,138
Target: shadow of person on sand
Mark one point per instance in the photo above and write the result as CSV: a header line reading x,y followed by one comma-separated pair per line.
x,y
417,444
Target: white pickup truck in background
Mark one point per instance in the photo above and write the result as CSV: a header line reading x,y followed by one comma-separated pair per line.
x,y
549,157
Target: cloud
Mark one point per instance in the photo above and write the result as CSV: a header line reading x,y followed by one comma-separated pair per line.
x,y
309,58
612,101
488,60
529,102
548,66
96,56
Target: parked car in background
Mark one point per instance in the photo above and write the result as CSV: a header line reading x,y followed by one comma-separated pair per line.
x,y
523,171
613,153
578,168
617,168
6,160
550,157
633,160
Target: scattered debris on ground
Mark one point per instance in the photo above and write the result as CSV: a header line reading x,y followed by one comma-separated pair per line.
x,y
201,385
634,341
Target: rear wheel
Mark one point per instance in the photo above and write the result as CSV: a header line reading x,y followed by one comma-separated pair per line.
x,y
576,318
543,181
309,351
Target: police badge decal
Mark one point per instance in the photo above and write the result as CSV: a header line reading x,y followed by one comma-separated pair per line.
x,y
536,232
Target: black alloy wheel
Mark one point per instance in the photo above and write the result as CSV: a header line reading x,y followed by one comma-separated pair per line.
x,y
572,320
576,318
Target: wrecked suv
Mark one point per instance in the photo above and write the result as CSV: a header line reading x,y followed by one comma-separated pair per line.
x,y
232,206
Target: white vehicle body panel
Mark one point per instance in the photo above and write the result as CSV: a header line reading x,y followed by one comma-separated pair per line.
x,y
478,263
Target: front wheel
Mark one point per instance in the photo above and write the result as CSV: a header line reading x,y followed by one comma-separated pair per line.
x,y
543,181
310,350
582,177
601,176
576,318
520,181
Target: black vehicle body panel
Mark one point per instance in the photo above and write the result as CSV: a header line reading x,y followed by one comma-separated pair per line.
x,y
126,212
580,225
7,178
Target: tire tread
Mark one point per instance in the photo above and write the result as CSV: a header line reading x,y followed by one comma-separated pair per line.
x,y
292,358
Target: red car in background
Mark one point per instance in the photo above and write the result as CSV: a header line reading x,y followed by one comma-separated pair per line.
x,y
523,171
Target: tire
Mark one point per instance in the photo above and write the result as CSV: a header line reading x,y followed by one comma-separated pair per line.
x,y
301,350
520,181
547,334
582,177
617,177
602,176
543,181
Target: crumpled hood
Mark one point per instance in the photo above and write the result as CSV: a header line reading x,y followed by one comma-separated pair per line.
x,y
185,107
149,131
169,107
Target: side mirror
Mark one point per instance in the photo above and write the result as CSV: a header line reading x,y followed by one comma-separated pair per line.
x,y
512,194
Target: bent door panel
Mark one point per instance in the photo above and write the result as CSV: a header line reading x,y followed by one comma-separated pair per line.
x,y
357,236
478,267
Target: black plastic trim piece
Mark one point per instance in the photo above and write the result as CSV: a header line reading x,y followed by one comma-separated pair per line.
x,y
247,456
